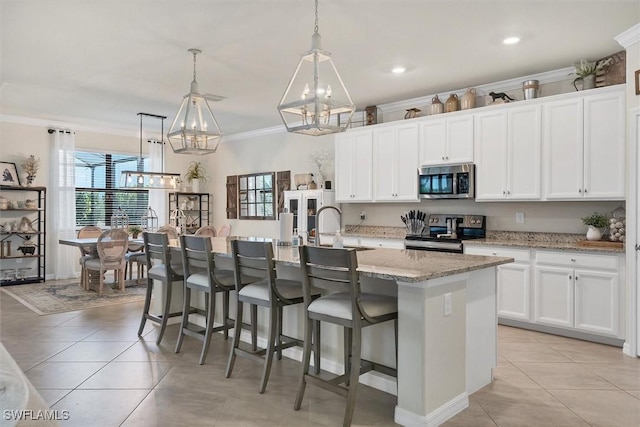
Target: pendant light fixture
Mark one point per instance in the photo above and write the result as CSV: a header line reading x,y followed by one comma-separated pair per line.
x,y
316,101
146,180
194,129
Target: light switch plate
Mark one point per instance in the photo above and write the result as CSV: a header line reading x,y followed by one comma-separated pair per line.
x,y
519,217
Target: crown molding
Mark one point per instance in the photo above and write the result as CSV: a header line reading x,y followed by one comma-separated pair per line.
x,y
254,133
77,127
629,37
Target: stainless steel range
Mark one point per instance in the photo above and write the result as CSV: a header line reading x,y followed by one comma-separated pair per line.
x,y
447,233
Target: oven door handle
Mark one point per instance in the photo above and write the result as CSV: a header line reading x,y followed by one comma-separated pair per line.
x,y
433,245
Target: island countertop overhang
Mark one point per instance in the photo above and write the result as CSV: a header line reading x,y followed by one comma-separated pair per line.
x,y
404,265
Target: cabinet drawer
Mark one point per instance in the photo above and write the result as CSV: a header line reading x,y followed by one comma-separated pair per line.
x,y
519,255
576,259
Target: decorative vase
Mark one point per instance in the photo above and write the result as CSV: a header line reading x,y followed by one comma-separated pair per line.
x,y
468,100
589,82
593,233
195,185
436,107
30,179
451,104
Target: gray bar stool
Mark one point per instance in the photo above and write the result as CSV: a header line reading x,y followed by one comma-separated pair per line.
x,y
161,267
257,285
200,274
335,270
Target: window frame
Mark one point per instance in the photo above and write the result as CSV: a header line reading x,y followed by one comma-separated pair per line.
x,y
255,202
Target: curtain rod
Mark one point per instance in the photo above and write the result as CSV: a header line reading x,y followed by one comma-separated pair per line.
x,y
59,130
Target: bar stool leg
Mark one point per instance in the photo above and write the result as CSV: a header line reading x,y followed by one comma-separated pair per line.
x,y
280,309
165,314
316,345
273,330
306,359
356,349
185,317
147,304
236,339
211,308
225,314
254,327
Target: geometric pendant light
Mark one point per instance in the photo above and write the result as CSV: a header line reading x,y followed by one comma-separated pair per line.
x,y
194,130
316,101
150,180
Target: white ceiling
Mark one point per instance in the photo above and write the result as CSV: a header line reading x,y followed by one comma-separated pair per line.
x,y
100,62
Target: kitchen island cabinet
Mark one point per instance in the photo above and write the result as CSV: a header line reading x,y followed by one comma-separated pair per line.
x,y
442,357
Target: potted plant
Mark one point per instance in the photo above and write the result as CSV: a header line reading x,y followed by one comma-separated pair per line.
x,y
196,173
595,223
134,230
586,72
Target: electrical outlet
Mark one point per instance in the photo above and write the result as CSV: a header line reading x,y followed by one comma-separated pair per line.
x,y
363,215
519,217
447,304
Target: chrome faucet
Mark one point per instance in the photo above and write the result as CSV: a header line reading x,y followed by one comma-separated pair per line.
x,y
337,209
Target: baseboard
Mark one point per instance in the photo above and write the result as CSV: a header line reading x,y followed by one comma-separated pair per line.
x,y
434,418
585,336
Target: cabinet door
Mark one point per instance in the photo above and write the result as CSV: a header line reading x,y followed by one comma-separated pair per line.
x,y
604,146
514,290
597,301
523,151
460,139
385,157
553,296
563,149
353,162
396,165
433,142
491,155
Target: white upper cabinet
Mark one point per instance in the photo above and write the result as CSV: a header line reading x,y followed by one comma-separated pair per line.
x,y
507,153
395,159
584,146
446,140
353,163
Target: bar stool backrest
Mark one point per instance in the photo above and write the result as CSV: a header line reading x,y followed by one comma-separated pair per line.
x,y
252,261
158,251
196,254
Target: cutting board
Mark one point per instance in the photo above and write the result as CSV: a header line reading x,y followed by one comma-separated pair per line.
x,y
599,244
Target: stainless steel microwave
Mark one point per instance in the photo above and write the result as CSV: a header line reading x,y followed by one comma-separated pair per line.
x,y
454,181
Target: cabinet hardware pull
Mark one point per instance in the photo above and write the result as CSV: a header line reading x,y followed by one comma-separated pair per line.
x,y
508,192
504,192
637,247
585,191
569,277
576,277
573,260
494,253
579,190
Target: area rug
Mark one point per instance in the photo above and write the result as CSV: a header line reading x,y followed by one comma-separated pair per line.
x,y
62,296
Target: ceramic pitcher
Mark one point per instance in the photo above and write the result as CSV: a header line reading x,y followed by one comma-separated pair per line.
x,y
468,100
436,106
451,104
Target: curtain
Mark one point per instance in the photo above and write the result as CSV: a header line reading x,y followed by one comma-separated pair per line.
x,y
62,195
158,198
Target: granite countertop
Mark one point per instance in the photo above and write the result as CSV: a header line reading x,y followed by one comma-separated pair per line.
x,y
391,264
514,239
553,241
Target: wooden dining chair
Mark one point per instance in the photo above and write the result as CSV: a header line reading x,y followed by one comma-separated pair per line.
x,y
335,271
87,252
112,246
206,230
224,230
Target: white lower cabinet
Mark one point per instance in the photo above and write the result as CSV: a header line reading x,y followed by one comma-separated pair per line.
x,y
576,291
514,281
579,291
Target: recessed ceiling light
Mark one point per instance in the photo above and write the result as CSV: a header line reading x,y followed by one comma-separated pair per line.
x,y
398,70
511,40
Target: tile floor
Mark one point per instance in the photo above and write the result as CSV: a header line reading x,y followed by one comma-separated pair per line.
x,y
92,364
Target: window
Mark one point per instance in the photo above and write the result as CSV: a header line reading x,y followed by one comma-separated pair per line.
x,y
255,194
97,192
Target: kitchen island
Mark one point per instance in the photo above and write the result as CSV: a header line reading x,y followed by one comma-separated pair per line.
x,y
447,324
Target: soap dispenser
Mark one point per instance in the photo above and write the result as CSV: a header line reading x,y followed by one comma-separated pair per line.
x,y
337,240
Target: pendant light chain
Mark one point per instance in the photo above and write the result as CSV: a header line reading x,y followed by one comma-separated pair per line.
x,y
194,66
316,27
